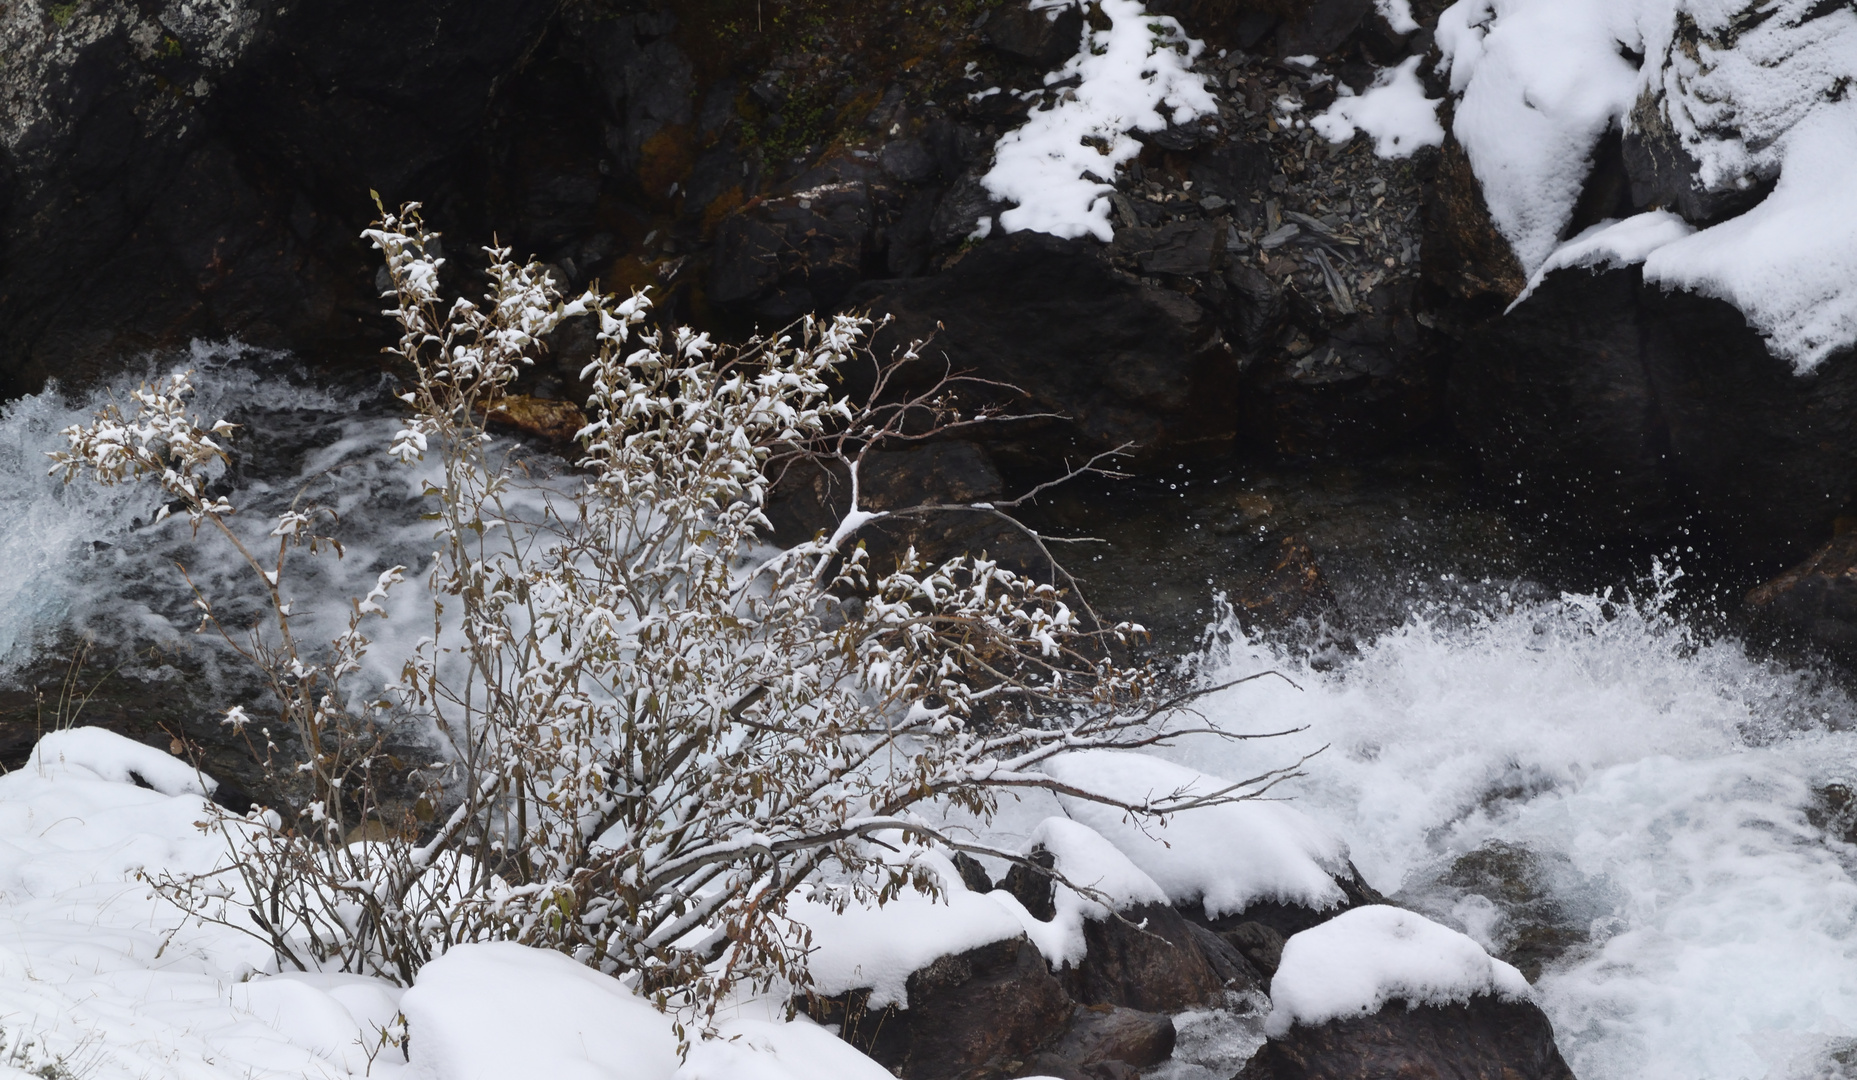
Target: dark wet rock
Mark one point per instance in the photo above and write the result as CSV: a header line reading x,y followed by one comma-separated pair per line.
x,y
1152,959
1319,27
1030,887
961,210
1258,944
1464,256
1769,456
1180,247
1372,380
1485,1039
1834,809
1044,38
1230,964
1533,907
1257,305
1557,401
908,160
779,258
973,875
1232,172
1122,361
976,1015
1619,408
911,237
1816,599
1105,1042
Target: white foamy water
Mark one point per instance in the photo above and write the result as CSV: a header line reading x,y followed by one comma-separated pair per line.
x,y
82,560
1667,778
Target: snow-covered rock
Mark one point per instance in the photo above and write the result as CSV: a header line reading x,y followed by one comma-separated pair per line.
x,y
1136,75
1380,991
1223,857
1355,963
1727,98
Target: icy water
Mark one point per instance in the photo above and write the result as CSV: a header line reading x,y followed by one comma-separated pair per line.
x,y
1650,820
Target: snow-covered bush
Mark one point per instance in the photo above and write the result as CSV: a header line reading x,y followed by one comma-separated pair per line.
x,y
656,728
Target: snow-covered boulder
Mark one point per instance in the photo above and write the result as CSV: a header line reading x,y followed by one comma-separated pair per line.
x,y
1125,945
1224,863
1380,991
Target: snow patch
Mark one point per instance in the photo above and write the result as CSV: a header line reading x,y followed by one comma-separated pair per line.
x,y
1541,81
1398,15
1790,263
93,753
1612,243
498,1011
1135,76
1224,857
1360,960
880,947
1394,111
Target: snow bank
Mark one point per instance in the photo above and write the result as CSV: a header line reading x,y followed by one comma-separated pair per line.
x,y
104,975
1224,857
764,1050
879,947
1750,92
502,1011
1394,111
1359,960
103,978
1612,243
1136,76
93,753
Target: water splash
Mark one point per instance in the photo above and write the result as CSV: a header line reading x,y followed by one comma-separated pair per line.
x,y
1658,783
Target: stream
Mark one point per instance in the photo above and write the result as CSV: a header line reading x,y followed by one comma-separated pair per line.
x,y
1567,754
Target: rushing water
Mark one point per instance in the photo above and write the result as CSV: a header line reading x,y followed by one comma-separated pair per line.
x,y
1632,798
1645,817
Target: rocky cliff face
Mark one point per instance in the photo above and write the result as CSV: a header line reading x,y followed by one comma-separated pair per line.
x,y
202,169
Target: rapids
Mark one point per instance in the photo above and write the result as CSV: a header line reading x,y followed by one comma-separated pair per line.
x,y
1652,820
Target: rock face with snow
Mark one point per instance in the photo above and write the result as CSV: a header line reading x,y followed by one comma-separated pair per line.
x,y
1694,160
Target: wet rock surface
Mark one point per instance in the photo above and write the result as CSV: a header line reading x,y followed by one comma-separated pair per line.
x,y
1486,1039
996,1012
1526,908
1817,599
978,1014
